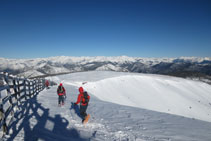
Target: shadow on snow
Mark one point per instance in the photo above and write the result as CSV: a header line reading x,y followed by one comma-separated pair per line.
x,y
32,119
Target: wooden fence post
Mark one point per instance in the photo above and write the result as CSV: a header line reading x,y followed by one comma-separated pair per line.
x,y
34,88
18,93
2,115
25,90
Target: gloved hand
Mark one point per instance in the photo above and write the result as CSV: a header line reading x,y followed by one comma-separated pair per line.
x,y
75,104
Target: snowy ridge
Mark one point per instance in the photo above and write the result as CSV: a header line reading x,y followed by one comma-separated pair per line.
x,y
153,92
179,97
122,59
64,64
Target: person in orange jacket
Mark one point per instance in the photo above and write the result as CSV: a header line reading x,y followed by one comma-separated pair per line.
x,y
61,93
83,99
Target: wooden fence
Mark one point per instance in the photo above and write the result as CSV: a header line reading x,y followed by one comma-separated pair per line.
x,y
14,91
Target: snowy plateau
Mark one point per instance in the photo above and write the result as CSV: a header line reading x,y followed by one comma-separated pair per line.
x,y
124,106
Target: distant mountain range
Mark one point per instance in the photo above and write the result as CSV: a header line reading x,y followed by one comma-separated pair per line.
x,y
183,66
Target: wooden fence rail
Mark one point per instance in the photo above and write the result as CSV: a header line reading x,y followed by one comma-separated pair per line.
x,y
14,91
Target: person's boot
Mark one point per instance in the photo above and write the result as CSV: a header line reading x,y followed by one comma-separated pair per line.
x,y
83,120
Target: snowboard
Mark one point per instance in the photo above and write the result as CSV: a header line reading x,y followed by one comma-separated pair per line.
x,y
86,119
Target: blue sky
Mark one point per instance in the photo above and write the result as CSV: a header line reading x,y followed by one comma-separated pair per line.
x,y
136,28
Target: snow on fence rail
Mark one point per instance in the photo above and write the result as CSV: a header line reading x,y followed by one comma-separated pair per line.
x,y
14,91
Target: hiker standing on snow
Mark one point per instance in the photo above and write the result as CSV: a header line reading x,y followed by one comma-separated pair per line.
x,y
47,84
83,99
61,93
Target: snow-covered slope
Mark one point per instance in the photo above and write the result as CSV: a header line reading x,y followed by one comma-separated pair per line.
x,y
119,109
153,92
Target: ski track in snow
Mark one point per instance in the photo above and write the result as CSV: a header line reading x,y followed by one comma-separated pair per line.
x,y
43,120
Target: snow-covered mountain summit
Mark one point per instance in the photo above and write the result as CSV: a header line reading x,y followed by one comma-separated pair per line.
x,y
63,64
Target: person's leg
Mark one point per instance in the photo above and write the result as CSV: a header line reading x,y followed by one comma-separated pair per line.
x,y
62,99
83,111
85,107
58,100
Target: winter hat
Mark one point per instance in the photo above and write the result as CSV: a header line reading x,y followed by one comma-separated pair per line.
x,y
81,90
60,84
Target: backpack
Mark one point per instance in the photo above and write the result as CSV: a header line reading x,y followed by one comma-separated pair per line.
x,y
85,99
60,89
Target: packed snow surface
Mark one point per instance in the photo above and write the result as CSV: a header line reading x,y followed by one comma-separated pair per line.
x,y
123,107
153,92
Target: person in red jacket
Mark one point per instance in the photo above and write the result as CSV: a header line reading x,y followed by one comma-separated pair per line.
x,y
83,99
47,84
61,93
